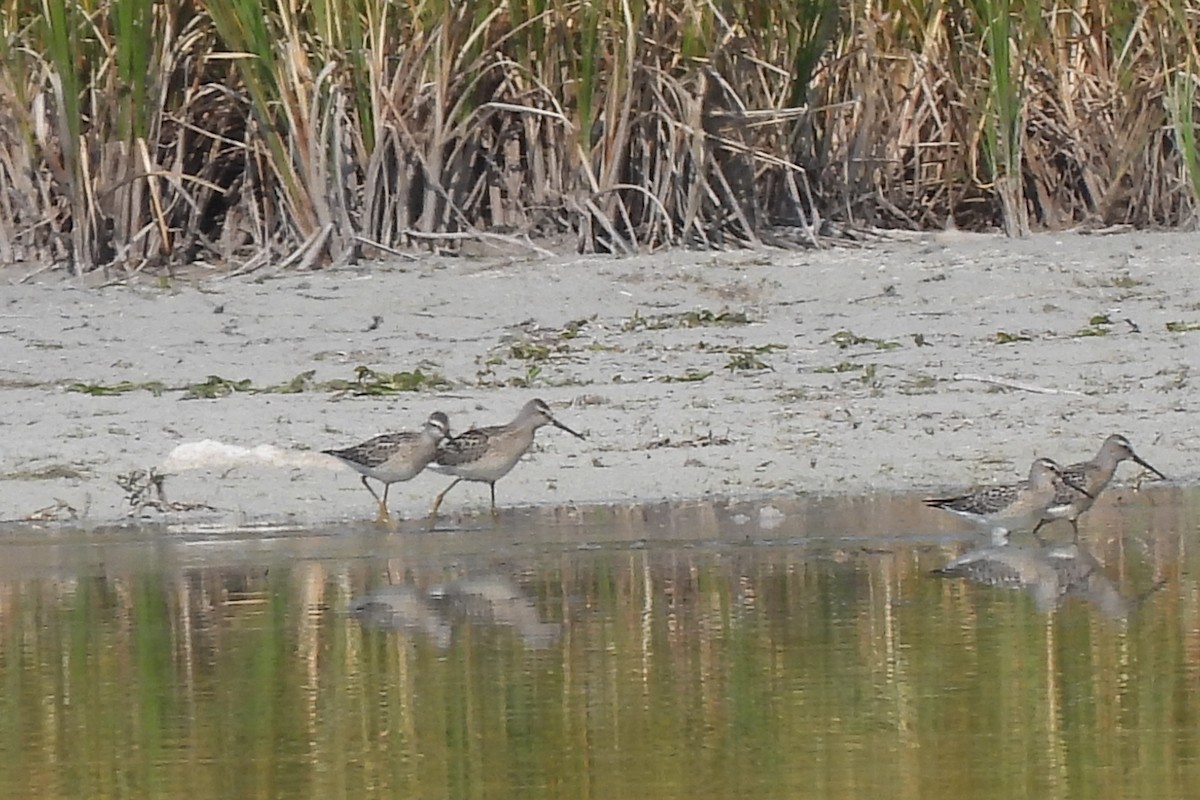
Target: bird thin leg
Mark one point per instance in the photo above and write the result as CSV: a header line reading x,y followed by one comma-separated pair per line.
x,y
1075,527
380,502
1038,527
495,513
437,503
384,514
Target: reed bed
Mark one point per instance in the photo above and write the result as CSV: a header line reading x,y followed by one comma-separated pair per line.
x,y
141,135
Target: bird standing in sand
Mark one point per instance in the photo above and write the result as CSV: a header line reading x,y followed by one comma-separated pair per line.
x,y
486,455
394,457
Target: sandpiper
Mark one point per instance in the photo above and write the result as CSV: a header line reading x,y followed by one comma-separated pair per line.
x,y
486,455
1004,508
1093,476
394,457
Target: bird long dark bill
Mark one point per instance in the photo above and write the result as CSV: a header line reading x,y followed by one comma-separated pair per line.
x,y
560,426
1138,460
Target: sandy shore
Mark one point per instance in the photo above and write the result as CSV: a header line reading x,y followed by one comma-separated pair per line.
x,y
693,374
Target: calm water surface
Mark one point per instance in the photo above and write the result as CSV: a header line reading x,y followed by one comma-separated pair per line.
x,y
703,651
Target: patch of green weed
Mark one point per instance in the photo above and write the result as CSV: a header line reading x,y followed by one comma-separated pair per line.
x,y
1123,281
301,383
156,388
529,351
215,386
745,360
1004,337
686,319
922,384
846,339
368,382
572,328
526,381
691,376
841,366
1097,326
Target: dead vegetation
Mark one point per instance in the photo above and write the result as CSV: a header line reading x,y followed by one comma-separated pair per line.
x,y
137,135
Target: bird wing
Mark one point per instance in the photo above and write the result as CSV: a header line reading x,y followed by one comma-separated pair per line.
x,y
986,501
1076,474
376,451
463,448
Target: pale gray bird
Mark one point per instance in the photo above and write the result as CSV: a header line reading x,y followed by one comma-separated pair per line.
x,y
394,457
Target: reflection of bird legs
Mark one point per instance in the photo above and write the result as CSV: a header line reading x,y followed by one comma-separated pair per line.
x,y
397,576
1074,527
1144,596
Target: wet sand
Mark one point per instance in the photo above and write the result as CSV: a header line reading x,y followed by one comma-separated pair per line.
x,y
913,364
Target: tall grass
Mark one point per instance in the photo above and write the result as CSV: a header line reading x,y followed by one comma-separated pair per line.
x,y
139,135
1002,119
1183,88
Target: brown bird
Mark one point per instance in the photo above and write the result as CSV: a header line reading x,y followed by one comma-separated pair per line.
x,y
1093,476
486,455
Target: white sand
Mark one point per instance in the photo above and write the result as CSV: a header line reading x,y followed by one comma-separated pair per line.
x,y
893,419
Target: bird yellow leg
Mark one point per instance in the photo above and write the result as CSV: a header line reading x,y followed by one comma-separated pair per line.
x,y
385,516
437,503
381,502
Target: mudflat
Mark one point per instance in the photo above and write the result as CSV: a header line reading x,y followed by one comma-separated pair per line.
x,y
913,363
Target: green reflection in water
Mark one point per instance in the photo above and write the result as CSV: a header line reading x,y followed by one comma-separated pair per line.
x,y
810,669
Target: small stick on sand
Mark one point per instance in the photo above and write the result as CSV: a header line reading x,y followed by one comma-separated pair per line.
x,y
1024,387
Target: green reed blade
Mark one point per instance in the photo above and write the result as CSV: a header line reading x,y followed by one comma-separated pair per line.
x,y
1180,103
589,43
811,27
60,41
133,23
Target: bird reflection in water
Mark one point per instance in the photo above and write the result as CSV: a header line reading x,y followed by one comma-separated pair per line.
x,y
1049,572
486,599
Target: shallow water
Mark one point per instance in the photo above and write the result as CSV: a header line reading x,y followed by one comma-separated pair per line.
x,y
698,651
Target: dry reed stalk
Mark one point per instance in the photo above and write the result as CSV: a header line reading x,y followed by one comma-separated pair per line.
x,y
138,135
